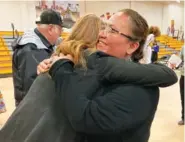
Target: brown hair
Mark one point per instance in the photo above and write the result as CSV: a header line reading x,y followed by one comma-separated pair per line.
x,y
84,35
139,31
155,30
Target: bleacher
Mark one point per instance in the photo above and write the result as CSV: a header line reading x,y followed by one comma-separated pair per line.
x,y
168,45
5,58
6,38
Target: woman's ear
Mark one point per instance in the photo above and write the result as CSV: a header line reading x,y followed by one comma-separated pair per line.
x,y
133,47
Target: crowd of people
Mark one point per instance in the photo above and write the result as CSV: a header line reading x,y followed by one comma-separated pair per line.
x,y
101,84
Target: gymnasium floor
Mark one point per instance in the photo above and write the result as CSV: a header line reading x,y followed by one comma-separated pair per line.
x,y
164,128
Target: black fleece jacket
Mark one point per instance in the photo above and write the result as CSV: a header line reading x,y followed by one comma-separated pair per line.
x,y
108,101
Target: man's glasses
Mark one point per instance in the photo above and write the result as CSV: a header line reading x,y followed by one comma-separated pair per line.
x,y
107,28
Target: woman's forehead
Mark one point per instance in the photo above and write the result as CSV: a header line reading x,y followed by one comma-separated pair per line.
x,y
118,18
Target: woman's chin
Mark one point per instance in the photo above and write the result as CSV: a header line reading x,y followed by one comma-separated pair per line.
x,y
102,48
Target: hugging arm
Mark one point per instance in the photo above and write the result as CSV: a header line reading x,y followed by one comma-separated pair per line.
x,y
59,71
123,71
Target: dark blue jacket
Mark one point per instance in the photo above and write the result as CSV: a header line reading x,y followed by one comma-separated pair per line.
x,y
29,51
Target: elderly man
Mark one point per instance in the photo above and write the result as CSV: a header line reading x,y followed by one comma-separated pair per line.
x,y
33,47
110,112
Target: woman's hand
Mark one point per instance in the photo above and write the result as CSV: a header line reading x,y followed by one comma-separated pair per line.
x,y
46,64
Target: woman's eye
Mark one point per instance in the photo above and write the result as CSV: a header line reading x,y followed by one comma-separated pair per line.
x,y
103,27
113,31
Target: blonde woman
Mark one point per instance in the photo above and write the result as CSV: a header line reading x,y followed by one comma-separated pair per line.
x,y
40,116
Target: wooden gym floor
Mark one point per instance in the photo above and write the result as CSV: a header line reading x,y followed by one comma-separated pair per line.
x,y
164,128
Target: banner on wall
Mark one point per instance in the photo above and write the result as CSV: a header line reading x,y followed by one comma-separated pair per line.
x,y
69,10
171,29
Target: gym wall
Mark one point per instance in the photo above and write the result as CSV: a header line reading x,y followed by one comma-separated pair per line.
x,y
23,14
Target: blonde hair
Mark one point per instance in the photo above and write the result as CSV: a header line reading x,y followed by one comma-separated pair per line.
x,y
84,35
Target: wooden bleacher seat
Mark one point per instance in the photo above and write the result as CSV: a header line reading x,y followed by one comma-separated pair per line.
x,y
171,45
5,58
162,49
8,33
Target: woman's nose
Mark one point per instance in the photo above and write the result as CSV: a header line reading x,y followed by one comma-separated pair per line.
x,y
103,34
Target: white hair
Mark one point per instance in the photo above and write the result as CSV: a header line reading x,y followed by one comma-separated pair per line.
x,y
42,26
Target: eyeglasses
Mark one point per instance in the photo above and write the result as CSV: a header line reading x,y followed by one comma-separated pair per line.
x,y
109,29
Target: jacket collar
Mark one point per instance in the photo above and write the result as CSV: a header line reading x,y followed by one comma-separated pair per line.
x,y
43,39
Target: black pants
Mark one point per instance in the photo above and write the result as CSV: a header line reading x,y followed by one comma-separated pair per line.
x,y
181,84
154,56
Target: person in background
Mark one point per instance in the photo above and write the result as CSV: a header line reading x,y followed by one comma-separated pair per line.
x,y
155,50
147,51
33,47
155,47
2,104
181,85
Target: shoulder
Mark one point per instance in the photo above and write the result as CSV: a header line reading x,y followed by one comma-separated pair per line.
x,y
27,48
107,62
100,61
